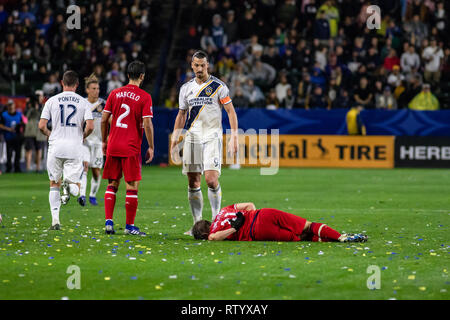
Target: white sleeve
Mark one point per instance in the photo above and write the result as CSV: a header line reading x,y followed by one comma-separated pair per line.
x,y
224,95
87,112
183,105
46,111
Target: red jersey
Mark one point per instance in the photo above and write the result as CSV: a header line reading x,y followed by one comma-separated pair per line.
x,y
221,222
128,106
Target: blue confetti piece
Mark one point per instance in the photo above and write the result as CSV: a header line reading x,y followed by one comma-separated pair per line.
x,y
140,252
51,258
133,278
287,269
306,258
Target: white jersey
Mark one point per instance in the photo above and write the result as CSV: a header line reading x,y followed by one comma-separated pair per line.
x,y
204,102
95,138
67,112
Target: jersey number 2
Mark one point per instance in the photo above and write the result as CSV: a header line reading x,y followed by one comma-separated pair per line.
x,y
122,116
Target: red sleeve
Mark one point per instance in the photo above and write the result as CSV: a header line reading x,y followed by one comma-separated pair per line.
x,y
219,225
148,108
108,105
227,209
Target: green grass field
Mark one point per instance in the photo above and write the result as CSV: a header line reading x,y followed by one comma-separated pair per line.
x,y
405,212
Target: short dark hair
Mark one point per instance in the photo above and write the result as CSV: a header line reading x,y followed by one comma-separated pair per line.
x,y
135,69
200,55
70,78
200,230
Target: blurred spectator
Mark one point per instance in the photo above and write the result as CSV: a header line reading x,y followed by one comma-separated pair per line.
x,y
272,102
263,74
391,60
425,100
218,34
433,57
51,87
410,60
395,76
239,99
342,100
34,140
416,30
231,27
317,100
172,101
114,82
386,100
363,95
207,41
11,122
282,87
332,16
41,51
10,49
355,126
322,27
289,101
303,90
255,96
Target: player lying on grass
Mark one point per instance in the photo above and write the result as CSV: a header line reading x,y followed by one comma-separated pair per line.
x,y
243,222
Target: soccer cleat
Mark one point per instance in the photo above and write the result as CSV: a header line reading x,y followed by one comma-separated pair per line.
x,y
93,201
55,227
109,227
353,237
65,197
133,230
82,201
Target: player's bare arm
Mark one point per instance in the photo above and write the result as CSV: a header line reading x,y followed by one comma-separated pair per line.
x,y
232,117
148,128
245,206
221,235
179,124
89,128
43,127
105,122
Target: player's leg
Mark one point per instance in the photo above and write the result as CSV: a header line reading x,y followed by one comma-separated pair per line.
x,y
212,155
83,184
132,175
39,147
55,170
193,168
112,172
28,143
276,225
96,166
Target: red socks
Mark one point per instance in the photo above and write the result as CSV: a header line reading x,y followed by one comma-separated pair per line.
x,y
323,233
110,201
131,203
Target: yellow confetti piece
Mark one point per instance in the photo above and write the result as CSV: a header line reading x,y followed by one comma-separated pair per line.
x,y
69,245
5,281
238,292
396,288
394,281
422,288
262,267
216,260
388,252
350,270
445,270
107,278
411,277
212,253
157,287
56,239
49,264
432,253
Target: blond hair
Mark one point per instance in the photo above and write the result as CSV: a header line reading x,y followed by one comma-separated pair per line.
x,y
91,79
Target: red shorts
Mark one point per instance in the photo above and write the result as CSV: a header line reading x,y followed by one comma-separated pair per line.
x,y
276,225
129,166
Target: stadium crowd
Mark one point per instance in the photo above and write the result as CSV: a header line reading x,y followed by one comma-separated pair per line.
x,y
320,54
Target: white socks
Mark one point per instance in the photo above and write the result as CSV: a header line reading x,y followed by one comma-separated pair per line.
x,y
83,184
73,189
215,199
95,185
55,204
195,198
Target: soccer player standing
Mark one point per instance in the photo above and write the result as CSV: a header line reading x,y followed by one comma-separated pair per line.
x,y
130,109
92,153
203,97
67,111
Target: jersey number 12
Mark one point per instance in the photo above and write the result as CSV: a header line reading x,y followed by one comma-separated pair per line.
x,y
66,121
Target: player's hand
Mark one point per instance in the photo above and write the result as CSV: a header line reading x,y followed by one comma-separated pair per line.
x,y
149,155
238,221
104,146
233,145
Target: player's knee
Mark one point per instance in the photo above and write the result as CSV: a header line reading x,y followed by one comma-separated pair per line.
x,y
212,182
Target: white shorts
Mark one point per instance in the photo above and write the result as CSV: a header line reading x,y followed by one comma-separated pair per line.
x,y
93,155
71,169
200,157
